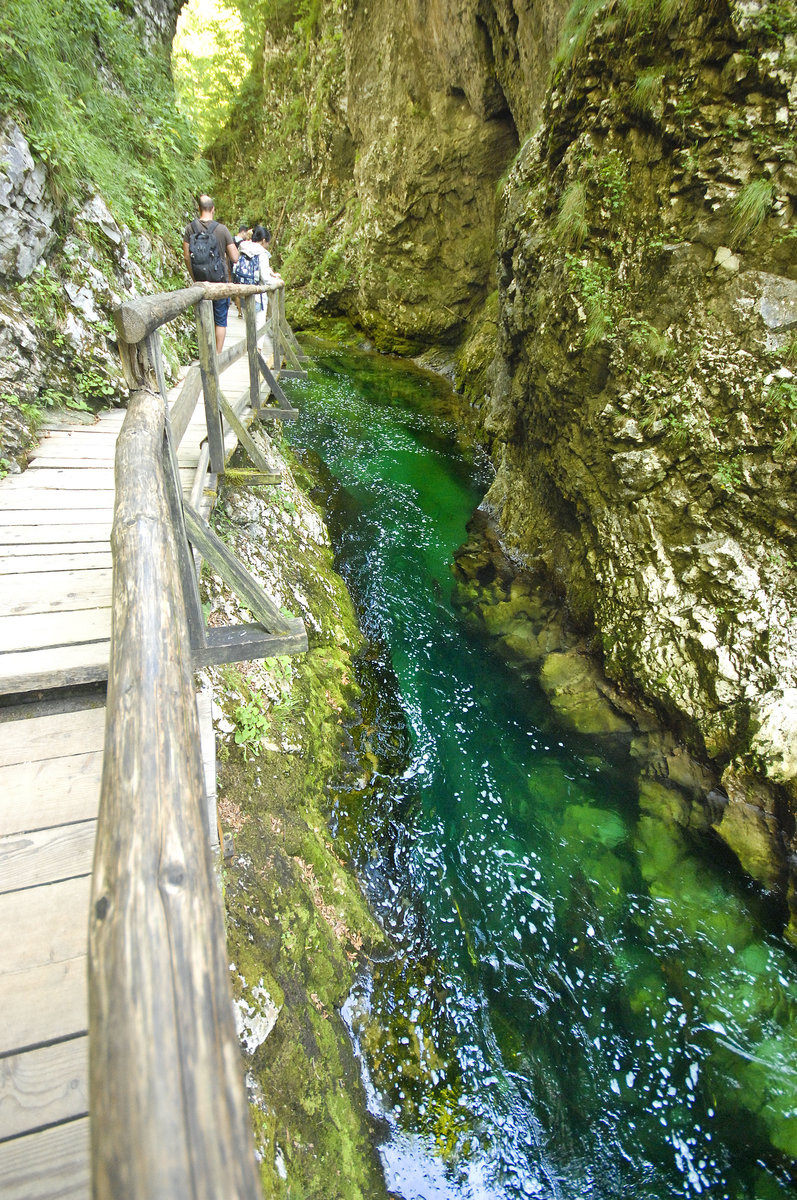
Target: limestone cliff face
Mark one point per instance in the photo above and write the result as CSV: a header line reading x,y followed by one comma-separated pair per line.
x,y
437,93
409,114
643,403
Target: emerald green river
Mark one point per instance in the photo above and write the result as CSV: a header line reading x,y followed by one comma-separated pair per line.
x,y
582,1002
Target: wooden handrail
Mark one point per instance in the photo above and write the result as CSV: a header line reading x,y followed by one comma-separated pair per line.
x,y
166,1080
169,1110
135,319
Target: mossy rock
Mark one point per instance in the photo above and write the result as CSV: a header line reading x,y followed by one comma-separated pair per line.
x,y
583,823
570,681
755,840
666,803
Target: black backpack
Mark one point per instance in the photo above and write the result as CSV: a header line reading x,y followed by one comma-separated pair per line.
x,y
206,260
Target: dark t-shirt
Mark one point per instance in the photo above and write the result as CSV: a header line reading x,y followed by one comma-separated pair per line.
x,y
222,234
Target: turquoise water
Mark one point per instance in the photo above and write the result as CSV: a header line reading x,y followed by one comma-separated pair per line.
x,y
582,1003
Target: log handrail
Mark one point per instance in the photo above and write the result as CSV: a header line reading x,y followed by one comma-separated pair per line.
x,y
169,1109
135,319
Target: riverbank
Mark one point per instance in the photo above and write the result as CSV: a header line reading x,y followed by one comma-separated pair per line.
x,y
297,925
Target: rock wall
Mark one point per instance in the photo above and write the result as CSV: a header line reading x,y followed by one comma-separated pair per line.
x,y
410,113
643,406
67,259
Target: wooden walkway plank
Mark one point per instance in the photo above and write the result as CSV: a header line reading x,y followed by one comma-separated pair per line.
x,y
46,856
44,1086
34,631
53,1164
41,516
19,540
32,739
62,479
51,791
45,501
36,670
44,924
91,559
54,591
44,1003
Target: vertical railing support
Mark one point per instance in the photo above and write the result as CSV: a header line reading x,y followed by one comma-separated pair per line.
x,y
209,370
276,344
250,316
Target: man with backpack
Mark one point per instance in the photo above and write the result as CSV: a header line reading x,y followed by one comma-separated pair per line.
x,y
207,244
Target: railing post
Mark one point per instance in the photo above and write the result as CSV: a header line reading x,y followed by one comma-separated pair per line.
x,y
276,347
209,370
251,349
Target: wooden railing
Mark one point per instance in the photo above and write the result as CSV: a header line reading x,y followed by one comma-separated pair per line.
x,y
169,1116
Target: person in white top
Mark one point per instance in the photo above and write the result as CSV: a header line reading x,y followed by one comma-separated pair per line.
x,y
257,245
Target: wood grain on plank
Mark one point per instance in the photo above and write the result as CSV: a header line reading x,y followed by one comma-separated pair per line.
x,y
43,1003
31,631
22,537
47,500
55,735
45,924
27,564
61,479
35,670
44,1086
55,791
43,515
54,591
46,855
53,1164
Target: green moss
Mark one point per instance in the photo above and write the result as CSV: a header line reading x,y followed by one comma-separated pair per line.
x,y
297,922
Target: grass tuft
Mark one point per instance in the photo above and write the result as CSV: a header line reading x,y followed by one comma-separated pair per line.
x,y
570,225
751,206
647,90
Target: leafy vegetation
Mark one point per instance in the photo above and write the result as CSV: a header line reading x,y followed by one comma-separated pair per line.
x,y
211,54
611,171
100,114
592,280
778,20
780,403
252,723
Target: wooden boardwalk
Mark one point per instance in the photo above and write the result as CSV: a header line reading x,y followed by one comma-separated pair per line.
x,y
55,587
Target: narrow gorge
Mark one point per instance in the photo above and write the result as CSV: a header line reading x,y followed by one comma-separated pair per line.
x,y
587,221
580,224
